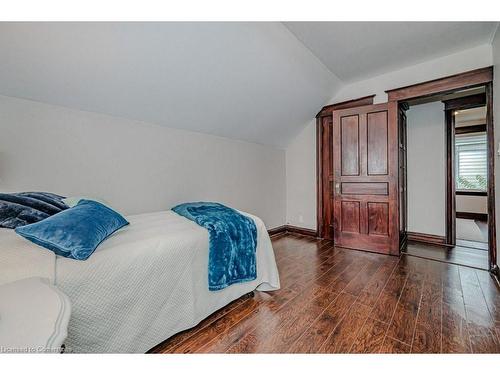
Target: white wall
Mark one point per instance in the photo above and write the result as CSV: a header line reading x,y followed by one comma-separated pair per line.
x,y
474,58
426,169
471,203
301,178
136,167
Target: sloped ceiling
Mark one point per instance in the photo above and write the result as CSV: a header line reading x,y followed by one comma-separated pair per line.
x,y
358,50
247,81
258,82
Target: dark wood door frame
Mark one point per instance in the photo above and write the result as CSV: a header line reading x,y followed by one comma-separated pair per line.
x,y
450,230
471,129
403,175
470,79
324,162
492,232
451,106
446,85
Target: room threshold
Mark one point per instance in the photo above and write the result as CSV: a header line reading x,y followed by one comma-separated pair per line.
x,y
457,255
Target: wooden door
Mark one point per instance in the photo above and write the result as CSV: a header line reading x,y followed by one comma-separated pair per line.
x,y
324,130
365,166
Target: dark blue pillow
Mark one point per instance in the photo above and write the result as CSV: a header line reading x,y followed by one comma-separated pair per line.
x,y
75,232
18,209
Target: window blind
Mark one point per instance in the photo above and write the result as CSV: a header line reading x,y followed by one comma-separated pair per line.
x,y
471,161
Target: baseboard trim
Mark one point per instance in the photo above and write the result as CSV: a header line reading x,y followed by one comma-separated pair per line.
x,y
430,239
277,230
292,229
472,216
302,231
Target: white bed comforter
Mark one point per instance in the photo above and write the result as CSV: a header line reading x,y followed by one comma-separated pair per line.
x,y
142,285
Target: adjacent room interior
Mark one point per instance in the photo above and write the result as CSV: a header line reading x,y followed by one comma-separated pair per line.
x,y
448,207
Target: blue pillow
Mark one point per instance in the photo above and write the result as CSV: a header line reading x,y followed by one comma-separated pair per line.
x,y
75,232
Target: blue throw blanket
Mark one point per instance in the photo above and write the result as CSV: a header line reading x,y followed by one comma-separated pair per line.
x,y
18,209
233,242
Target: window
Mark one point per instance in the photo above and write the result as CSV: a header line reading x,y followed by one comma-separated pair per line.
x,y
471,161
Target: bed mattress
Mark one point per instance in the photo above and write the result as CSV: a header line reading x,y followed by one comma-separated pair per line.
x,y
145,283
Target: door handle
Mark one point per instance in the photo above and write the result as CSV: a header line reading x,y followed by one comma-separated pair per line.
x,y
337,188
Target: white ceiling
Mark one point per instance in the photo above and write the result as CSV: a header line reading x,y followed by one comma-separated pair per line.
x,y
248,81
357,50
258,82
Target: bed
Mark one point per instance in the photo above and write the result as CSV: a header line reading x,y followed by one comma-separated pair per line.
x,y
145,283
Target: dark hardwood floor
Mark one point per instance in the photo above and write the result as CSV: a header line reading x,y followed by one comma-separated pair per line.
x,y
335,300
462,254
473,244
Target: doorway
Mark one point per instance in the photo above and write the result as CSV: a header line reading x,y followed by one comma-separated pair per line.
x,y
448,179
467,122
448,88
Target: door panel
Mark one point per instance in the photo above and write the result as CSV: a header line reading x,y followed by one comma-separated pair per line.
x,y
350,217
365,169
377,143
349,128
375,188
378,218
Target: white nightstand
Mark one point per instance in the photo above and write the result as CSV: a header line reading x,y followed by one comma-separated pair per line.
x,y
34,317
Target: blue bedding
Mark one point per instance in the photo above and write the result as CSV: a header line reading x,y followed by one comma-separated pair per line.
x,y
232,242
18,209
76,232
